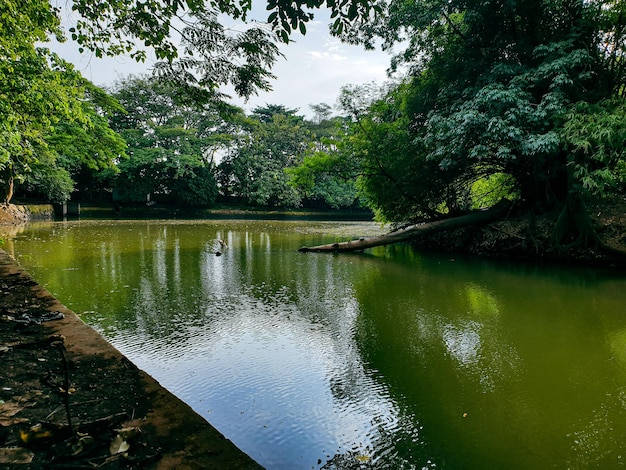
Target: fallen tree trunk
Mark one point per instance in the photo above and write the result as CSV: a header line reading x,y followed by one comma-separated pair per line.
x,y
414,231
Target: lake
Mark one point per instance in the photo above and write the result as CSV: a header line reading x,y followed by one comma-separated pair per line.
x,y
385,359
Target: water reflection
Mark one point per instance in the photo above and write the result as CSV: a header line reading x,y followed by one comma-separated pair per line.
x,y
388,359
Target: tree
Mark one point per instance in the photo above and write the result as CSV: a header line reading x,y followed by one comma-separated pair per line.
x,y
38,90
410,232
255,168
171,144
272,162
39,95
322,111
215,56
85,152
210,55
505,89
266,114
321,176
111,27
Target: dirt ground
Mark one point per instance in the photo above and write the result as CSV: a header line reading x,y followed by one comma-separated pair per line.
x,y
69,400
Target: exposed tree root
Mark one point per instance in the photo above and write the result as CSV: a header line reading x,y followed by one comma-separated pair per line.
x,y
574,229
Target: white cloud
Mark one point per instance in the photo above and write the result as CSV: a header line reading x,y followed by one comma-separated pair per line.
x,y
326,55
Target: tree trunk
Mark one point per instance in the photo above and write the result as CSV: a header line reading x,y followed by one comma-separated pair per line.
x,y
414,231
7,193
574,228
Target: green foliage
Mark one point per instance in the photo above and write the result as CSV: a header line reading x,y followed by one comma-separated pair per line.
x,y
323,175
327,186
49,114
113,27
88,151
266,114
323,112
255,167
520,96
595,135
210,55
215,55
284,160
170,143
394,176
491,189
197,189
53,182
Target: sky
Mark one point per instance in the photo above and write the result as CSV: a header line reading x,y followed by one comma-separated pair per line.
x,y
314,68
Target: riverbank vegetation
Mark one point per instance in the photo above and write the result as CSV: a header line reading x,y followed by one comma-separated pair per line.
x,y
521,101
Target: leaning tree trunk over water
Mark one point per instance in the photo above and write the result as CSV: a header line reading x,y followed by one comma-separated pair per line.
x,y
414,231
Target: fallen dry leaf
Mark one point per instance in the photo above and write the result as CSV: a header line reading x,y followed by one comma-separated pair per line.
x,y
15,455
118,445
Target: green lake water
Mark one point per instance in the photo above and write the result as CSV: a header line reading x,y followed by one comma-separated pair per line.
x,y
387,359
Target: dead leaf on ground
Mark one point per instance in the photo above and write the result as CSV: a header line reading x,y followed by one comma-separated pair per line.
x,y
8,410
15,455
120,444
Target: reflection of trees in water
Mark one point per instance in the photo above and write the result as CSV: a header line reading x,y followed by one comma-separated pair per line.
x,y
318,291
435,340
523,351
9,232
389,437
399,448
348,461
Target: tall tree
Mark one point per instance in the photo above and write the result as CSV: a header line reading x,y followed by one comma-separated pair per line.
x,y
40,95
255,168
171,143
38,90
509,88
322,177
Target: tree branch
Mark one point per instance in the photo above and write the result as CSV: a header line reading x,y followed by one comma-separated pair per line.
x,y
414,231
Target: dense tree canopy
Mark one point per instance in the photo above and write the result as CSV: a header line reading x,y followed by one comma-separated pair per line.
x,y
266,165
254,169
171,144
42,97
47,110
321,177
521,95
502,98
